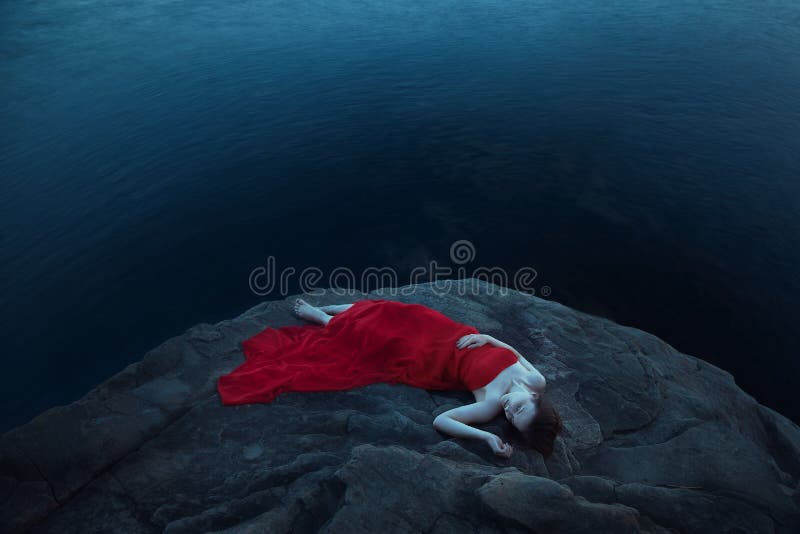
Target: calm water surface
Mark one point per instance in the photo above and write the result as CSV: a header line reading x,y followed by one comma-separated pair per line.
x,y
643,157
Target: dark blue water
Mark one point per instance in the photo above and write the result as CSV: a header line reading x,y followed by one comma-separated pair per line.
x,y
643,157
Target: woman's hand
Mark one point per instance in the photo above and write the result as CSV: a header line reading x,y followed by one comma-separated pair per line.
x,y
498,447
470,341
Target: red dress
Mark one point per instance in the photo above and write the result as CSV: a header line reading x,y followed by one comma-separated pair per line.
x,y
373,341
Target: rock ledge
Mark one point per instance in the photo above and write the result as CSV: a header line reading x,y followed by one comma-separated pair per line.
x,y
654,441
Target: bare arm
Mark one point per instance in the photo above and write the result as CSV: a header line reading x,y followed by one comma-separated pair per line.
x,y
448,425
454,421
538,382
497,343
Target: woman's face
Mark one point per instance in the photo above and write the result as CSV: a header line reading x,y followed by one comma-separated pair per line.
x,y
519,406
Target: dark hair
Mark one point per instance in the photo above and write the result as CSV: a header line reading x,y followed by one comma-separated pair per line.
x,y
542,431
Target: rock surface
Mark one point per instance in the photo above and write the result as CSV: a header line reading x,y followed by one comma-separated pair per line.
x,y
654,441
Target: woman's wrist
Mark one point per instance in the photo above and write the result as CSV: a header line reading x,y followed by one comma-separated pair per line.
x,y
494,341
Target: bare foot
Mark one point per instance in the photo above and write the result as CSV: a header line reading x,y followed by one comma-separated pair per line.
x,y
306,311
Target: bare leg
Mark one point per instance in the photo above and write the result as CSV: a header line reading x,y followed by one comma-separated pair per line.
x,y
333,309
306,311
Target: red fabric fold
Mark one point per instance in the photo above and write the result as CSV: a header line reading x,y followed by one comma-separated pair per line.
x,y
375,340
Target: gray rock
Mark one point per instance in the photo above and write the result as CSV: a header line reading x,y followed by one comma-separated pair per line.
x,y
654,441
